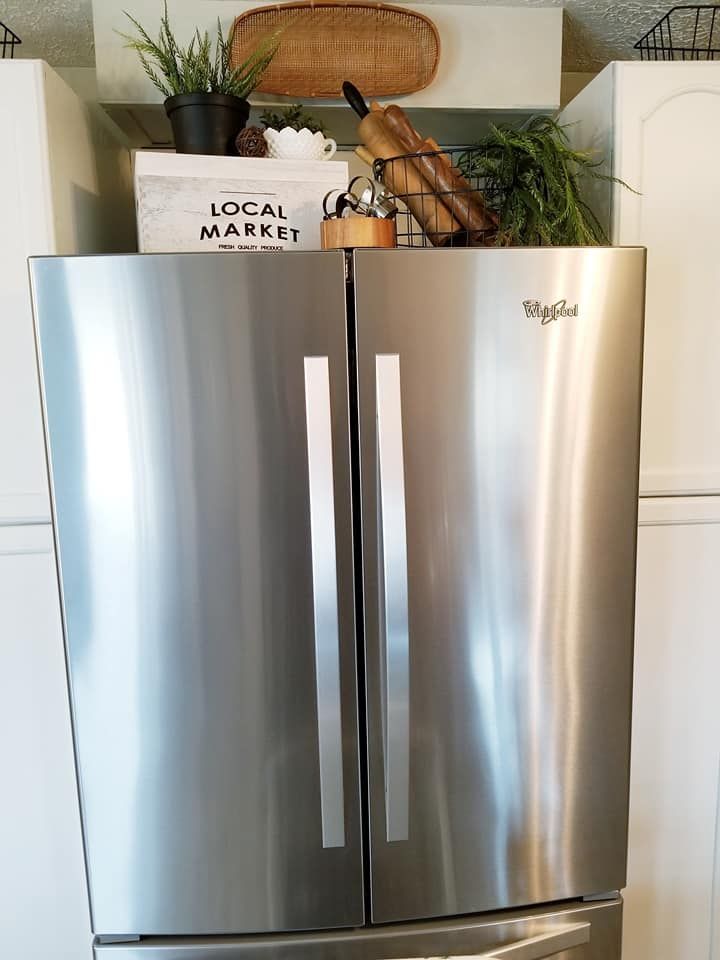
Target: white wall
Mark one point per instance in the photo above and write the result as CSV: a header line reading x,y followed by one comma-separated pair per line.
x,y
491,58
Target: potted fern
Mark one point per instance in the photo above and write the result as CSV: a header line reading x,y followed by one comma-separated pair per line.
x,y
205,95
533,179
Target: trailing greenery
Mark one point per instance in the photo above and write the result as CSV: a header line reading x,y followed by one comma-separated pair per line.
x,y
532,180
294,117
195,68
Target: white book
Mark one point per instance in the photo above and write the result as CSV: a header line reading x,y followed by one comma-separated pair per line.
x,y
199,203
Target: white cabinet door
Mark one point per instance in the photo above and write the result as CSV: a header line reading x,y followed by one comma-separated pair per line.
x,y
43,898
673,879
66,189
658,127
667,132
26,228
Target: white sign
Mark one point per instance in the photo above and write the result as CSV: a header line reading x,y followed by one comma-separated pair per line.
x,y
191,203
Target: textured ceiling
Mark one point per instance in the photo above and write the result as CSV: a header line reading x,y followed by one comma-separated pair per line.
x,y
59,31
596,31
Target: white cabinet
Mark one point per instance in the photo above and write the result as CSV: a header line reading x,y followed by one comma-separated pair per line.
x,y
66,188
659,126
43,900
672,901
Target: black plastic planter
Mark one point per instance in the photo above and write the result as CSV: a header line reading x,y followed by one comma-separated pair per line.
x,y
206,122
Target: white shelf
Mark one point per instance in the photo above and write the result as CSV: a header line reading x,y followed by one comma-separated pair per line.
x,y
148,125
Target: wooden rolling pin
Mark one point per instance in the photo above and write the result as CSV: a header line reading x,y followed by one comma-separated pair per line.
x,y
435,147
430,145
406,181
465,204
365,155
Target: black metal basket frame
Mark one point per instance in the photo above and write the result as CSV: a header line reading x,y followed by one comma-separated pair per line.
x,y
8,41
658,43
410,232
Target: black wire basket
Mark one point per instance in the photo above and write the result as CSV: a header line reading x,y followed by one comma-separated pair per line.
x,y
684,33
442,204
8,42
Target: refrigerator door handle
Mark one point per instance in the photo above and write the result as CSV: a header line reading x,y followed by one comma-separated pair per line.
x,y
325,601
544,945
393,578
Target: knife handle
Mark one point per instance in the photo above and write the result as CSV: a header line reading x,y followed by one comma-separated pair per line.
x,y
355,99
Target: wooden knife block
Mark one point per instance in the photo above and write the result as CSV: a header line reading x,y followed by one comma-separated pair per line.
x,y
344,232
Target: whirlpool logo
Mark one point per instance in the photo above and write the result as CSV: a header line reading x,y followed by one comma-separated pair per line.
x,y
547,312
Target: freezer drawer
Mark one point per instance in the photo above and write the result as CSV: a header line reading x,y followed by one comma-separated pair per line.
x,y
520,935
196,410
499,395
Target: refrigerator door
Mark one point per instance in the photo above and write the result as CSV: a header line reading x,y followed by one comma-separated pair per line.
x,y
499,395
196,412
571,932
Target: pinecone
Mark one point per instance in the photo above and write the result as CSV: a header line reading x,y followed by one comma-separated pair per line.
x,y
250,142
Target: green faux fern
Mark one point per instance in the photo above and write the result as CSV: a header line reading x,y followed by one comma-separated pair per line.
x,y
294,117
532,180
195,68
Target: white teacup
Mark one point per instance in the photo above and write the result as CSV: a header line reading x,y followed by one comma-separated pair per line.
x,y
289,144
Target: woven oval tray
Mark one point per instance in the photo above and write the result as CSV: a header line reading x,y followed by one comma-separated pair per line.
x,y
383,50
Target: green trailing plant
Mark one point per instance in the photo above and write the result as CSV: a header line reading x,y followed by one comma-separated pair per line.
x,y
532,180
196,68
294,117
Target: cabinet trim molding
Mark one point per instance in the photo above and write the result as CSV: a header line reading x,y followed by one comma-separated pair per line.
x,y
24,508
18,540
679,483
668,511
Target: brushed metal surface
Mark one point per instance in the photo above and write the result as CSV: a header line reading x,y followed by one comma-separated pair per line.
x,y
520,438
175,406
392,569
325,605
539,946
544,945
469,936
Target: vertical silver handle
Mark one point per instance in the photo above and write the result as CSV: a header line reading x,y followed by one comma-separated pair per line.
x,y
325,605
394,589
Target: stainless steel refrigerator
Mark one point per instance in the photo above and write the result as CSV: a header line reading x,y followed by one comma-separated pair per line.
x,y
346,549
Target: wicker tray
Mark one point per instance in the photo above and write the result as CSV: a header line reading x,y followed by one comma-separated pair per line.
x,y
383,50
